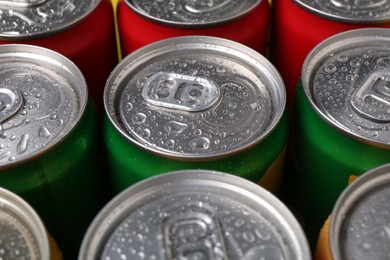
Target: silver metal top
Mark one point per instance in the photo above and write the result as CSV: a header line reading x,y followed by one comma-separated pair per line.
x,y
195,97
360,223
347,80
42,96
189,13
198,215
22,234
26,19
349,11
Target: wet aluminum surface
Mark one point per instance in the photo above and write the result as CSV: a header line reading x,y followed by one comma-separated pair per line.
x,y
195,97
195,215
22,234
42,96
189,13
26,19
349,11
347,80
361,217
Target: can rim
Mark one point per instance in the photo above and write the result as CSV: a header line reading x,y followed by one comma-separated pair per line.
x,y
58,60
353,193
324,48
339,18
30,218
129,3
172,44
114,212
42,34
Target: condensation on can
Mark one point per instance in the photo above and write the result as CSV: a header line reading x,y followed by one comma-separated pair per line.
x,y
204,214
199,99
22,232
358,227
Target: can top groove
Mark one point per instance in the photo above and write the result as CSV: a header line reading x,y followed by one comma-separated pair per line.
x,y
347,80
349,11
195,97
184,13
42,96
27,19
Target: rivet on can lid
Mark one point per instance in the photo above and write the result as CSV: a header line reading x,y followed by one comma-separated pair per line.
x,y
349,11
185,13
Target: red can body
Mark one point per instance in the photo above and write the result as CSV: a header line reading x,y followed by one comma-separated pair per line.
x,y
90,44
295,32
251,29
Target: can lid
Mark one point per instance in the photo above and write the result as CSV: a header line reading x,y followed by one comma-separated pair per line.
x,y
195,97
360,223
198,214
42,96
22,233
349,11
347,80
26,19
184,13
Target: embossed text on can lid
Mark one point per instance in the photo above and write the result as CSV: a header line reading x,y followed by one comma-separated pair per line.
x,y
42,96
184,13
360,223
349,11
198,214
22,233
195,98
26,19
347,80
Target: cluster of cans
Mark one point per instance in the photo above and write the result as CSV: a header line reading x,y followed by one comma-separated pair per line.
x,y
229,130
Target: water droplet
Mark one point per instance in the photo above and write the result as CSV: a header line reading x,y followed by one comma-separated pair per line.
x,y
255,106
139,118
173,127
43,132
146,133
330,68
342,58
220,69
248,237
129,106
201,143
170,143
22,145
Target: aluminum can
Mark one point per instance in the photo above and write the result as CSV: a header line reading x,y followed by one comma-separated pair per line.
x,y
341,118
70,28
143,22
48,140
195,102
196,214
22,232
359,224
299,25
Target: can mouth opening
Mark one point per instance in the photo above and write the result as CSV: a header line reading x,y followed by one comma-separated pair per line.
x,y
356,85
201,45
189,14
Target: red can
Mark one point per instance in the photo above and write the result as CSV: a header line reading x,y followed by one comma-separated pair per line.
x,y
299,25
81,30
142,22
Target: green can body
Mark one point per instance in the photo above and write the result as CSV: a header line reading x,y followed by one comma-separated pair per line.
x,y
325,161
64,184
262,164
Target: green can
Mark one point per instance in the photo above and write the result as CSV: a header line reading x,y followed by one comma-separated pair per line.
x,y
195,102
341,119
48,141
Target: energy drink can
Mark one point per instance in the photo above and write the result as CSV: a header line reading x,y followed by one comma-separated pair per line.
x,y
81,30
299,25
341,118
195,214
48,141
359,223
143,22
195,102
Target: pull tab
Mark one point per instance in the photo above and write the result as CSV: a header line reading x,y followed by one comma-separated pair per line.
x,y
21,3
182,92
10,103
204,6
194,235
372,99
